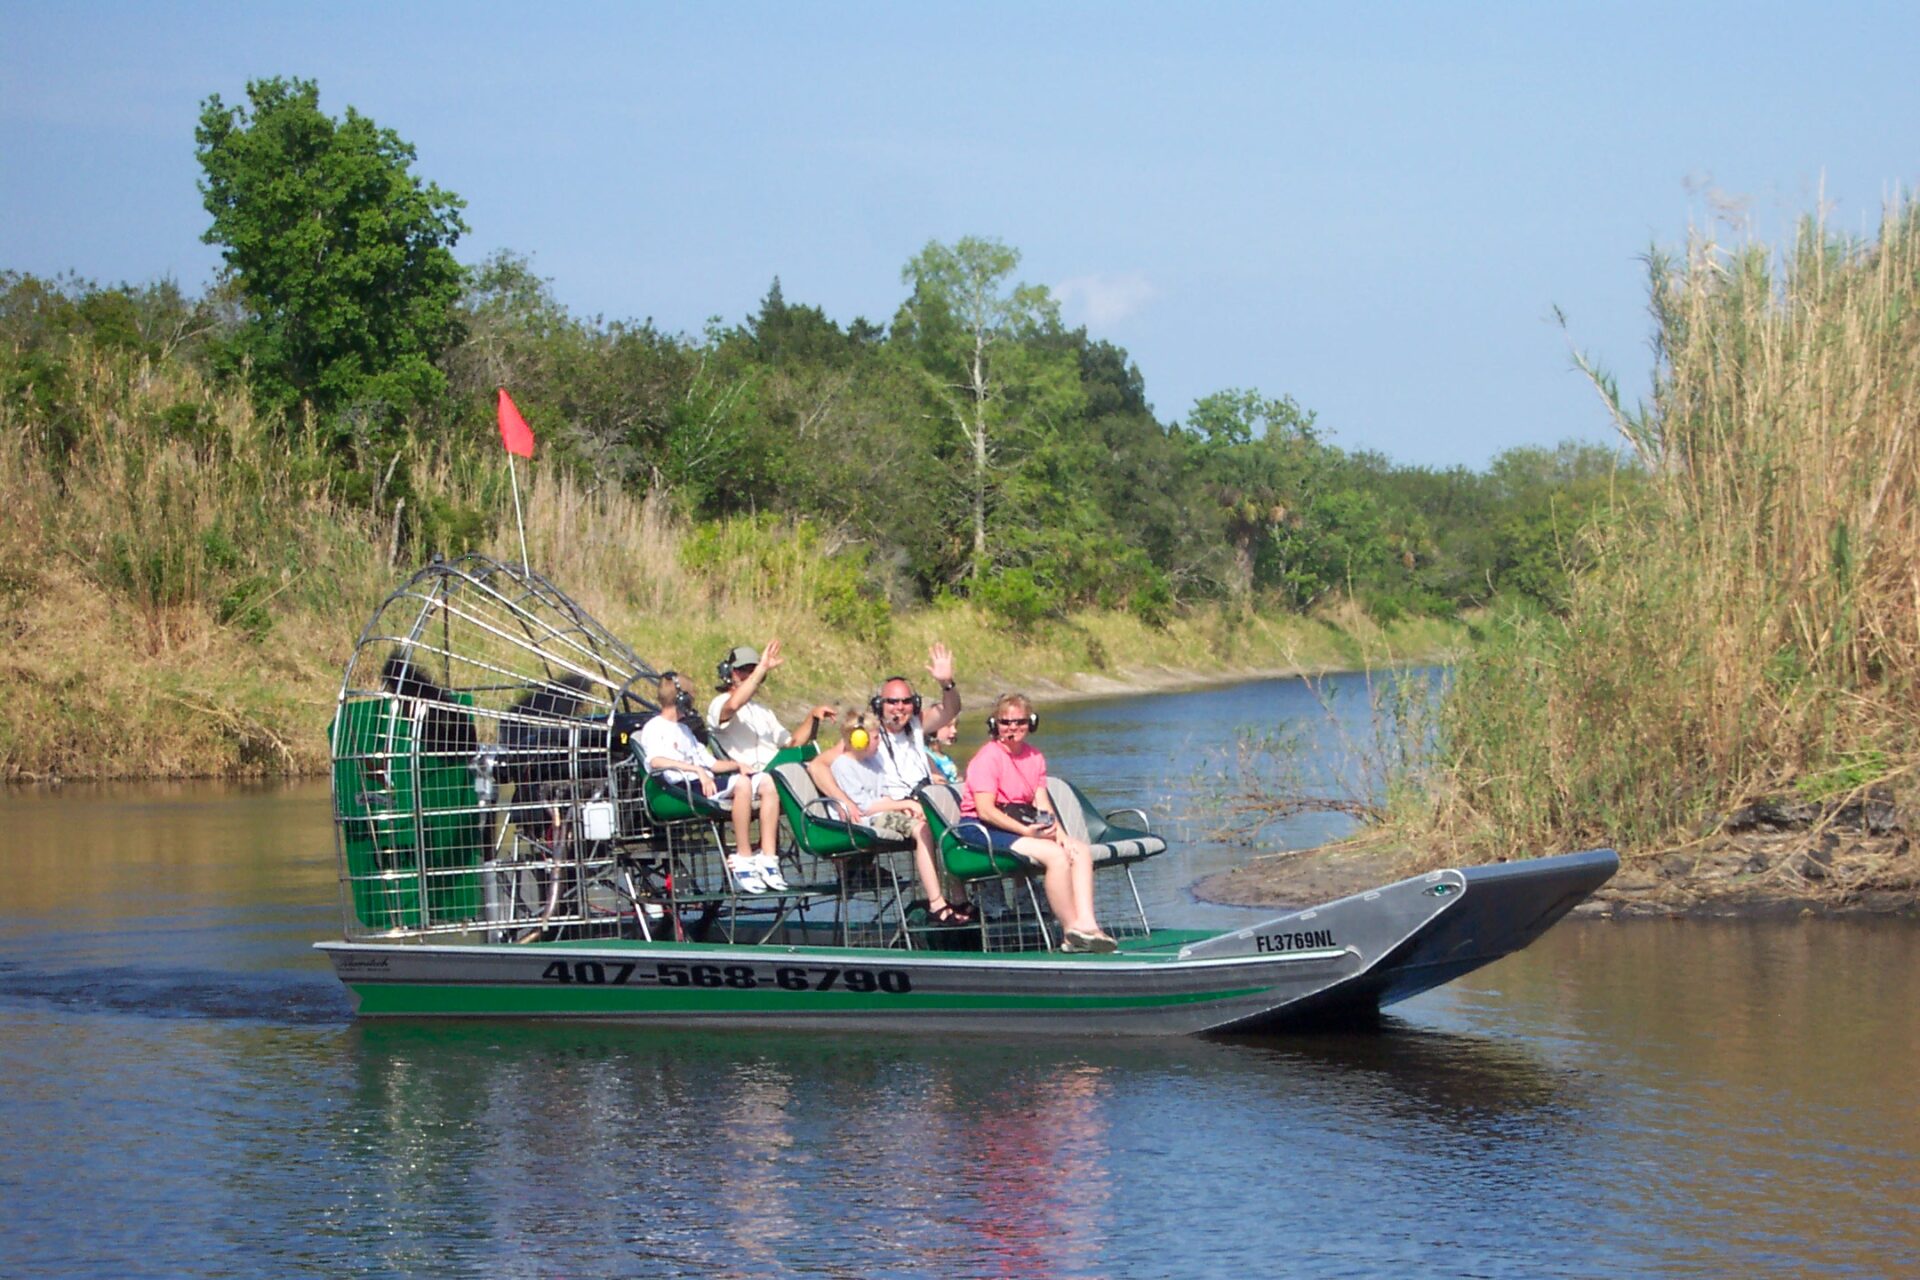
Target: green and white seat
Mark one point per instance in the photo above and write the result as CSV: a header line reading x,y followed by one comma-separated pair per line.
x,y
962,850
1113,844
1111,841
821,834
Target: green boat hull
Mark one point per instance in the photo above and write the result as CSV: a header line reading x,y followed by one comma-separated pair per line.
x,y
1348,957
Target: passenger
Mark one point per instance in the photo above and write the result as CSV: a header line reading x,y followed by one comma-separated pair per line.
x,y
671,745
940,752
752,734
905,723
851,774
1006,789
749,731
905,726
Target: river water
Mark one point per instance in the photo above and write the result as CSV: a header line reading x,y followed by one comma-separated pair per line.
x,y
183,1091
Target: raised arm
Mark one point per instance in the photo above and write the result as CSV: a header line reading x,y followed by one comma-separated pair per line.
x,y
940,667
742,693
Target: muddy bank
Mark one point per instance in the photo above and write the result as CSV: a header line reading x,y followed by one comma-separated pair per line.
x,y
1761,871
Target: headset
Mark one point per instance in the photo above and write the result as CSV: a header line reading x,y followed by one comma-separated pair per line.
x,y
682,698
724,668
877,705
993,729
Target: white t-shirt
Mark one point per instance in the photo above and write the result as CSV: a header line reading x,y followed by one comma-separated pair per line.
x,y
663,737
752,736
903,761
864,780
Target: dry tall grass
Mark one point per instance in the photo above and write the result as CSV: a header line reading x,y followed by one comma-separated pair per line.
x,y
180,584
1762,632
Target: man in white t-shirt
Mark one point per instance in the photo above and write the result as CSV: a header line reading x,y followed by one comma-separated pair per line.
x,y
904,725
749,731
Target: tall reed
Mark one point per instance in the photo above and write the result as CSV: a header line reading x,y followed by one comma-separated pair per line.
x,y
1759,631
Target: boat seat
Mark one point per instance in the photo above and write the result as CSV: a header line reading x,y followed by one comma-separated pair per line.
x,y
962,842
818,829
856,851
794,755
671,802
1110,841
690,826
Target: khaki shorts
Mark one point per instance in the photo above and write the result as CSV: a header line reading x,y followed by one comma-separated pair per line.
x,y
892,822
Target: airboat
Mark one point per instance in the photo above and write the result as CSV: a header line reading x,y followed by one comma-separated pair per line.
x,y
503,852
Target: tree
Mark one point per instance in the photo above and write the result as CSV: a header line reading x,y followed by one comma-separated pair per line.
x,y
973,333
342,254
787,335
1263,462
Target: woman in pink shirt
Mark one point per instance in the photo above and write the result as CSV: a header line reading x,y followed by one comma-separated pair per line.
x,y
1006,789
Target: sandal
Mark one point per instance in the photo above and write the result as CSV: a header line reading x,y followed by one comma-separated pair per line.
x,y
947,916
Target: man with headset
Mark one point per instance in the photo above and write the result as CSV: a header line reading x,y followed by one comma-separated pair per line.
x,y
751,734
749,731
905,725
905,722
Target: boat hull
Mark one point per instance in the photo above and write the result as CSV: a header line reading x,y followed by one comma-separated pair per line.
x,y
1348,957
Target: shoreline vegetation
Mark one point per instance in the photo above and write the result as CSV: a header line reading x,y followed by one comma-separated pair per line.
x,y
1730,692
207,497
98,690
1835,864
210,494
181,603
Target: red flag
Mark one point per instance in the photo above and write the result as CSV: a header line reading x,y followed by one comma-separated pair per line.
x,y
514,431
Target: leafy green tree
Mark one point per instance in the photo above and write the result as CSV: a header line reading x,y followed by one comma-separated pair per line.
x,y
974,334
513,331
1546,498
1263,463
342,254
784,335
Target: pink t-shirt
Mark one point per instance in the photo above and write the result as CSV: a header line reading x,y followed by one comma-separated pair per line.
x,y
1013,779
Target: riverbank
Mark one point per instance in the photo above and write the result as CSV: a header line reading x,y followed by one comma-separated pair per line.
x,y
96,688
1855,865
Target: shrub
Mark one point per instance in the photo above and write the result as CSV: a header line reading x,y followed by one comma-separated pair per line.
x,y
1016,595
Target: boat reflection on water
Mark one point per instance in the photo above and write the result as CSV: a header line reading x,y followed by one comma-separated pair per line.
x,y
1037,1172
1421,1074
738,1154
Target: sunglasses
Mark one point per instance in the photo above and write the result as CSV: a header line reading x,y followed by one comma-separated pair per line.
x,y
1014,724
745,670
898,702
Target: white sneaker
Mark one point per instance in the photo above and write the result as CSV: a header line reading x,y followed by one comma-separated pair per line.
x,y
768,865
746,874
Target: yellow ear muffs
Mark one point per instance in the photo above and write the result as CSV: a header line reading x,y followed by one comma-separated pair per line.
x,y
858,739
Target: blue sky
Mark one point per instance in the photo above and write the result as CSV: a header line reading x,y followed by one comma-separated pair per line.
x,y
1372,208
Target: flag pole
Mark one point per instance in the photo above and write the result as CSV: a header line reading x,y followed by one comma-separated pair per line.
x,y
518,439
514,476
